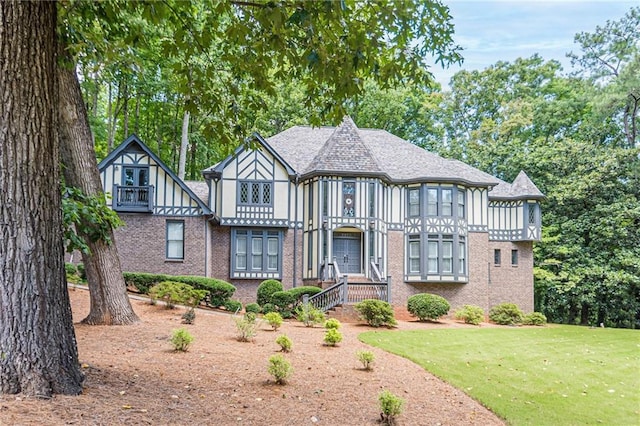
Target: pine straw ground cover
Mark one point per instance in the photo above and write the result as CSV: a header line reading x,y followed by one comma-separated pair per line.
x,y
133,377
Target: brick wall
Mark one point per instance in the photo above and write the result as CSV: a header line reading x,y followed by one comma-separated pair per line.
x,y
510,283
142,245
246,288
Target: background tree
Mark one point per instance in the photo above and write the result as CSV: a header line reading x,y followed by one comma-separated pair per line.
x,y
38,353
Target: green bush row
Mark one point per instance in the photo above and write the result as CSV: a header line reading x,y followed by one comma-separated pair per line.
x,y
220,291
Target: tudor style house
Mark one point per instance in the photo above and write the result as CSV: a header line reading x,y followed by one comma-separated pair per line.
x,y
317,206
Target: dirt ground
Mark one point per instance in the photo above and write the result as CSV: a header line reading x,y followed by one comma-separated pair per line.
x,y
133,377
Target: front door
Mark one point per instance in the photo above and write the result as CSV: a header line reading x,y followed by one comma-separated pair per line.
x,y
347,251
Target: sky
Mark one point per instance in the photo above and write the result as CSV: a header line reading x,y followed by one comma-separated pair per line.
x,y
504,30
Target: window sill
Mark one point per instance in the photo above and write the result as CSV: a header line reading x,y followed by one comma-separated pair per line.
x,y
174,261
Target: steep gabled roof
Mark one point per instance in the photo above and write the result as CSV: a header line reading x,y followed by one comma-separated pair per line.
x,y
347,150
133,143
344,151
216,170
521,188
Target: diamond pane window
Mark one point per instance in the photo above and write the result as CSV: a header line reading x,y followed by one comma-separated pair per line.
x,y
244,193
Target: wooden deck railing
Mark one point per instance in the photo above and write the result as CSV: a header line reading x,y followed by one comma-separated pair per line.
x,y
343,292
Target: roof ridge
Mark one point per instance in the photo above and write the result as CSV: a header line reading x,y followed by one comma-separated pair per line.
x,y
345,139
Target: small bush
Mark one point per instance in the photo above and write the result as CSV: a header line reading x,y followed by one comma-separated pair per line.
x,y
234,306
266,289
332,323
274,319
246,327
181,340
470,314
427,306
81,271
310,315
506,314
252,307
390,406
376,312
332,337
280,368
70,269
286,302
366,358
172,293
268,307
534,318
285,343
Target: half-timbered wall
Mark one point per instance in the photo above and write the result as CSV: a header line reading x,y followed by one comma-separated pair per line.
x,y
169,198
247,174
517,220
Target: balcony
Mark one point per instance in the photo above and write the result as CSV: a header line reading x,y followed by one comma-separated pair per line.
x,y
133,198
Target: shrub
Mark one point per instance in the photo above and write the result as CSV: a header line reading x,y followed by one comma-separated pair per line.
x,y
181,340
70,269
376,312
287,301
274,319
534,318
310,315
427,306
280,368
252,307
366,358
332,323
390,406
266,289
332,337
284,342
234,306
219,291
189,317
268,307
173,293
470,314
81,271
506,314
246,327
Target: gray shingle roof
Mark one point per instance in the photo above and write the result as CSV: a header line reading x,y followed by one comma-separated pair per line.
x,y
200,189
347,150
521,188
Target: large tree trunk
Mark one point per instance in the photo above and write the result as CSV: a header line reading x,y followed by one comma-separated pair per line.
x,y
110,303
38,351
184,144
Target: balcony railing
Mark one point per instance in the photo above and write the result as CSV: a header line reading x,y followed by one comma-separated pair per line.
x,y
133,198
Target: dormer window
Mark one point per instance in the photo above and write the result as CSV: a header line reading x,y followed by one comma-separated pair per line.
x,y
255,193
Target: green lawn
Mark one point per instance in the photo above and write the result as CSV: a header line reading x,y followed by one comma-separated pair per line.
x,y
553,375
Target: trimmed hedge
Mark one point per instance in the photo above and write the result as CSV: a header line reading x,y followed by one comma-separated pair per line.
x,y
285,302
266,289
219,291
427,306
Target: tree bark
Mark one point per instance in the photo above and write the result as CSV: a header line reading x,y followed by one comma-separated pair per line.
x,y
184,144
38,350
110,303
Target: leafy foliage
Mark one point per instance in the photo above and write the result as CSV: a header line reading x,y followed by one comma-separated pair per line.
x,y
285,343
332,323
390,406
470,314
427,306
274,319
286,302
309,315
506,314
173,293
252,307
233,305
266,289
534,318
332,337
280,368
87,216
366,358
181,340
246,326
376,312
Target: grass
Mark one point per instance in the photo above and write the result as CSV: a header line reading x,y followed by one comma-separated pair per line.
x,y
554,375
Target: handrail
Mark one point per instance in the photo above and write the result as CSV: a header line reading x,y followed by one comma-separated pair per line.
x,y
329,297
375,272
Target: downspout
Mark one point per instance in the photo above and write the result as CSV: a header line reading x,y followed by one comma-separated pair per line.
x,y
295,233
